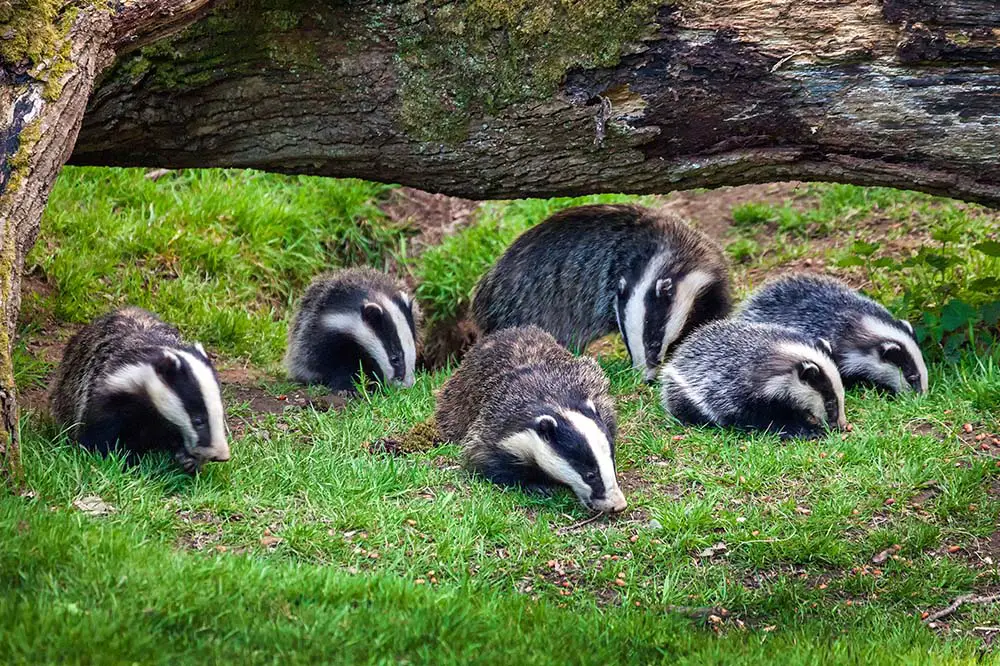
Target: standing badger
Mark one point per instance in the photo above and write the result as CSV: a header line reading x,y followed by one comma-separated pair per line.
x,y
528,412
869,344
756,377
127,378
352,324
588,271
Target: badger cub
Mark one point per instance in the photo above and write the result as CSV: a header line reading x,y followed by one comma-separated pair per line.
x,y
527,412
353,324
869,344
127,381
589,271
756,377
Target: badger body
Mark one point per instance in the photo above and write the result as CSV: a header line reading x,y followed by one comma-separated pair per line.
x,y
755,377
353,324
128,382
869,344
529,413
589,271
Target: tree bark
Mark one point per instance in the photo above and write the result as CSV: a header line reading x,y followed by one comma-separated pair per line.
x,y
44,90
460,98
483,99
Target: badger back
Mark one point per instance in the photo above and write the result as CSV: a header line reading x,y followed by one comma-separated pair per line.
x,y
683,284
869,344
738,373
365,306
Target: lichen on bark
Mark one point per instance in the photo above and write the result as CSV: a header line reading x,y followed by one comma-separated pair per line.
x,y
477,57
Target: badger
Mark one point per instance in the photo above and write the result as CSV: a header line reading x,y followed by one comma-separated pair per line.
x,y
527,412
351,325
128,382
756,377
588,271
869,344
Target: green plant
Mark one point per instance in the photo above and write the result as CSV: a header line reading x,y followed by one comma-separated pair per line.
x,y
743,250
951,292
752,214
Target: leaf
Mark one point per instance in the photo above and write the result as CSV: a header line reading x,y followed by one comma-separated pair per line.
x,y
952,235
956,314
985,285
885,262
990,248
938,261
851,260
712,551
864,249
93,505
991,313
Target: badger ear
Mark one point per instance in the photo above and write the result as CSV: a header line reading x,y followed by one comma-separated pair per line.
x,y
201,350
546,425
622,283
664,286
371,312
168,365
888,348
808,371
825,344
907,325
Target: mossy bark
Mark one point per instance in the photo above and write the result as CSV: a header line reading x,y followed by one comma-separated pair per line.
x,y
51,53
488,99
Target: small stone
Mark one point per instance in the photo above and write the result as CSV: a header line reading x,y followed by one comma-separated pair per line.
x,y
619,582
890,501
419,581
654,524
967,427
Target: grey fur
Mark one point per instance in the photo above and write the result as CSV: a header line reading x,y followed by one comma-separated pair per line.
x,y
823,307
309,358
504,382
564,274
719,374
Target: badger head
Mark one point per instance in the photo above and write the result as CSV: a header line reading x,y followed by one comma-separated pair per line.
x,y
659,306
181,386
574,447
884,353
390,338
807,378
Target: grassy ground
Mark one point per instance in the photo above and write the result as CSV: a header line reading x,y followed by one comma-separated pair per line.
x,y
307,547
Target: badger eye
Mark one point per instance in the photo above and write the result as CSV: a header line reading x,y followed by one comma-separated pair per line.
x,y
590,477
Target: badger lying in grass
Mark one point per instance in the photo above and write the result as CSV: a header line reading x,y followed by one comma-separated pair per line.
x,y
352,324
869,344
756,377
527,412
128,382
592,270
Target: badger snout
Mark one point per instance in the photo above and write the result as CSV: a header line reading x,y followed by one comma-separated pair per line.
x,y
214,453
650,374
614,502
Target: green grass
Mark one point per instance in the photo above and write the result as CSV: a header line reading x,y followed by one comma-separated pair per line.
x,y
220,253
306,548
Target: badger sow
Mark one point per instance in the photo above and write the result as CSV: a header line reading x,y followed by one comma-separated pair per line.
x,y
352,324
869,344
755,377
527,412
128,382
588,271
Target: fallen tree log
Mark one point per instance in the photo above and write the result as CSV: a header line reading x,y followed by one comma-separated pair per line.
x,y
484,99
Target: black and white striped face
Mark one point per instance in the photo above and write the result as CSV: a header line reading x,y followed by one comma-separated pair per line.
x,y
807,378
659,307
572,447
182,386
386,328
886,354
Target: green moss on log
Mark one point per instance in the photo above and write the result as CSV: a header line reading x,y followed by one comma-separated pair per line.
x,y
469,58
34,38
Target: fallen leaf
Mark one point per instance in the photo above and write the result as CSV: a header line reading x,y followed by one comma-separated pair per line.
x,y
93,505
269,540
803,510
886,554
712,551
